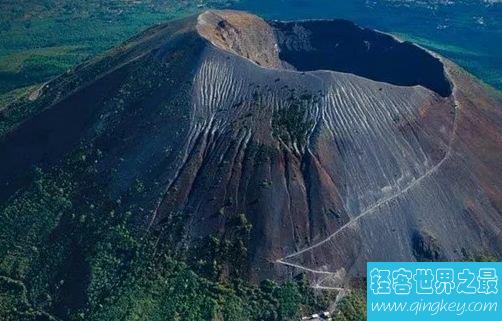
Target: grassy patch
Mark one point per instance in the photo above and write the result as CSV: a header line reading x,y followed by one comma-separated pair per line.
x,y
14,62
291,124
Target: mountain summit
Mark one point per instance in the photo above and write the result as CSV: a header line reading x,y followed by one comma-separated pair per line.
x,y
311,146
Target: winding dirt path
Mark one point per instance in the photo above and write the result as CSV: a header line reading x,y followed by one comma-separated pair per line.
x,y
375,206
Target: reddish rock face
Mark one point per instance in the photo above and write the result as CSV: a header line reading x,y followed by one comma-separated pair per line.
x,y
241,33
224,123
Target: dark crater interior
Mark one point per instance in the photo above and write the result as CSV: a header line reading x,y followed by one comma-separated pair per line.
x,y
340,45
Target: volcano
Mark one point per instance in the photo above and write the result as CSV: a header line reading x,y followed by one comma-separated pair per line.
x,y
338,144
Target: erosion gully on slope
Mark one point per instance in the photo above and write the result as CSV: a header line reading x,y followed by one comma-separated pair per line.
x,y
369,210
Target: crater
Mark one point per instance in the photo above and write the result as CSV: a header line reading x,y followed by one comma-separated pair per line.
x,y
341,45
336,45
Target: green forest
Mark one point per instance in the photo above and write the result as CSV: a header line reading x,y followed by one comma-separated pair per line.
x,y
42,38
65,257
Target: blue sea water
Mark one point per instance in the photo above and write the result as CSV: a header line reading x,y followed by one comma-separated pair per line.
x,y
467,31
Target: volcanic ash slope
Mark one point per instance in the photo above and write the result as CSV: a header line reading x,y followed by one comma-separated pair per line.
x,y
339,144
